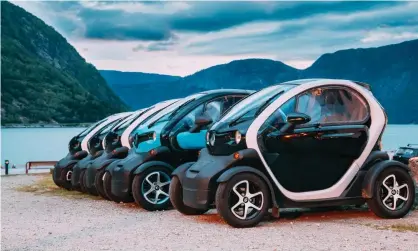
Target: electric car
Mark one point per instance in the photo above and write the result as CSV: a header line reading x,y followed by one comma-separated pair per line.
x,y
78,150
405,153
162,144
97,151
94,150
116,145
305,143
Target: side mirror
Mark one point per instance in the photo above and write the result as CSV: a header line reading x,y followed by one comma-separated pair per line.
x,y
298,118
294,119
200,122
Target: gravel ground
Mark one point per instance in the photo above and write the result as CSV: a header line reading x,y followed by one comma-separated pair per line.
x,y
44,222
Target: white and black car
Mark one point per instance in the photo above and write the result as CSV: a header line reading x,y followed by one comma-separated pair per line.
x,y
304,143
78,149
116,145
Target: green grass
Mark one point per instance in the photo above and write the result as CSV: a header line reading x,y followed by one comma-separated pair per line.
x,y
45,185
404,227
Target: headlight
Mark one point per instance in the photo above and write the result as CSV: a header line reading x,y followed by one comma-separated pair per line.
x,y
154,136
207,137
238,137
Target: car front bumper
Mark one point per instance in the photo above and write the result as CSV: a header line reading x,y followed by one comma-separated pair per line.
x,y
199,180
121,172
96,165
81,165
62,166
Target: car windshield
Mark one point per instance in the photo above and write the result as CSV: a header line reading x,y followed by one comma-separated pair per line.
x,y
170,111
405,151
251,106
108,127
126,122
90,128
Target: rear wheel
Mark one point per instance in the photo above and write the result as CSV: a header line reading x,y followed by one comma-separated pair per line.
x,y
393,194
243,200
176,198
98,181
150,188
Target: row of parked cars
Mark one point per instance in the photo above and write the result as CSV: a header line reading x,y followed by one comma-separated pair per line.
x,y
304,143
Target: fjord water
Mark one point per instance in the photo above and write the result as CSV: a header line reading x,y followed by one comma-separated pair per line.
x,y
19,145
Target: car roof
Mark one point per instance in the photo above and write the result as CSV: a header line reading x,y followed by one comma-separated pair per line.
x,y
410,146
220,91
309,80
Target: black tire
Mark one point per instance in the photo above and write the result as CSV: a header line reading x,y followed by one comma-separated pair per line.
x,y
98,181
54,174
92,191
107,188
83,187
66,184
176,198
376,203
223,199
138,194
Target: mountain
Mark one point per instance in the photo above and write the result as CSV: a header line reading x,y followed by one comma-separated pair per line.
x,y
128,85
44,79
392,72
246,74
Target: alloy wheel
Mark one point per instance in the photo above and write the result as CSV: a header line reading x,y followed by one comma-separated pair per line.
x,y
246,200
68,175
394,192
155,187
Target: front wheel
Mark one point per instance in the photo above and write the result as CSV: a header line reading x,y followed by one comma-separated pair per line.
x,y
243,200
83,187
66,174
150,188
176,198
393,194
98,181
54,174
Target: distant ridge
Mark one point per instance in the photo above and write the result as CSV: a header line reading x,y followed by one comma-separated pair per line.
x,y
391,71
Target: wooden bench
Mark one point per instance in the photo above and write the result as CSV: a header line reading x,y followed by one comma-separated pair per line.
x,y
45,164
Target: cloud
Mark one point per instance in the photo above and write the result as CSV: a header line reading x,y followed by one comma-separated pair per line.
x,y
384,36
182,37
157,21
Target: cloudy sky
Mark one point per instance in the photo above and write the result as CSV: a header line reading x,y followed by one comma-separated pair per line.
x,y
180,38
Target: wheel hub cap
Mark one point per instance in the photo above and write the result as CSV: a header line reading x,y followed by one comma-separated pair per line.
x,y
248,203
68,176
154,187
396,194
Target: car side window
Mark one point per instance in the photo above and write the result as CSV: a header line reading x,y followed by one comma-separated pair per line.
x,y
332,105
214,109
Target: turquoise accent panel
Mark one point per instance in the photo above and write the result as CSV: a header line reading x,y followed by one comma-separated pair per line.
x,y
191,141
149,144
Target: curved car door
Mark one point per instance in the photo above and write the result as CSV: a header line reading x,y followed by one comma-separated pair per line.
x,y
214,109
315,155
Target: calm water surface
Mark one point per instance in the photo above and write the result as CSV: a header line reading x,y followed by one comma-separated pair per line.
x,y
20,145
